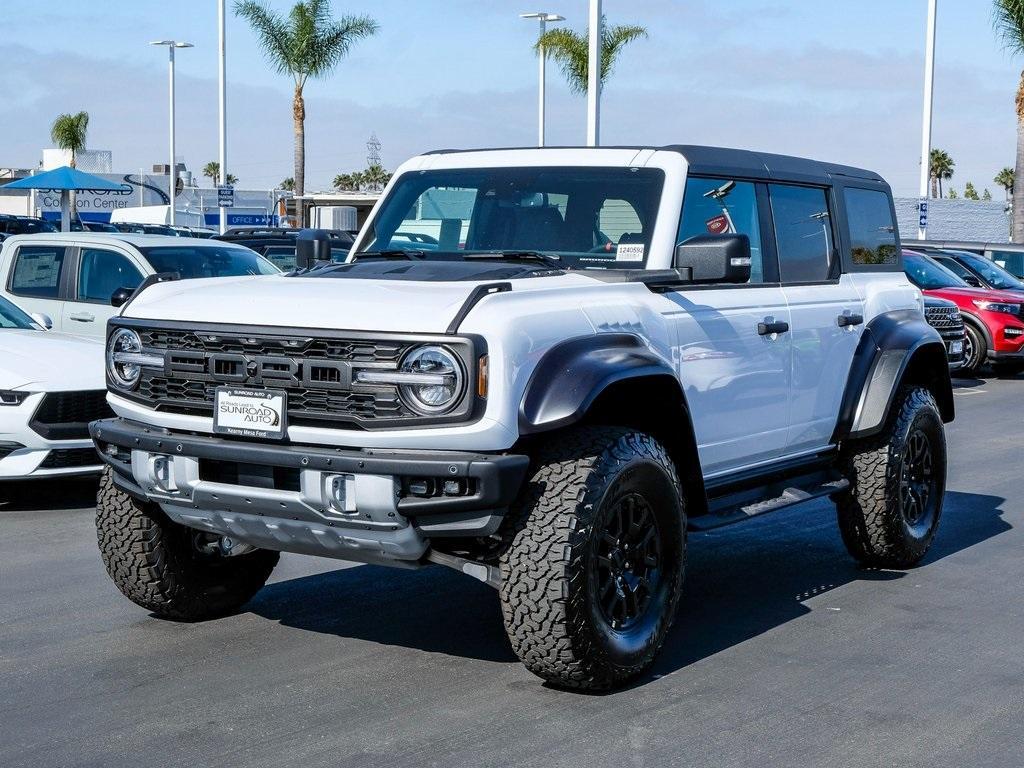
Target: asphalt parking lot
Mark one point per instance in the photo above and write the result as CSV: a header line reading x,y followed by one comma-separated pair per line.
x,y
785,652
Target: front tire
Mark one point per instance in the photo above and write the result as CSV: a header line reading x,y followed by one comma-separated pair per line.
x,y
593,574
889,515
975,350
156,565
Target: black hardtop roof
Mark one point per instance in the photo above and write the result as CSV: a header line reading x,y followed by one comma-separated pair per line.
x,y
737,162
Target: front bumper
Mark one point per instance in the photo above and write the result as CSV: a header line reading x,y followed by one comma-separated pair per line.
x,y
346,503
26,454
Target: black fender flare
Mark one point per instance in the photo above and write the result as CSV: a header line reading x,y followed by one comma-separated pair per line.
x,y
894,345
572,374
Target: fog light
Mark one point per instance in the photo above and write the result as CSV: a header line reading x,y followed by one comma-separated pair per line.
x,y
1013,332
422,486
455,487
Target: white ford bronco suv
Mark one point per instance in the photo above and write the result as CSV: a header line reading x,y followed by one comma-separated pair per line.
x,y
541,367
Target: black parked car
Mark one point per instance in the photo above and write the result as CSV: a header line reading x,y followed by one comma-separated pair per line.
x,y
277,244
24,225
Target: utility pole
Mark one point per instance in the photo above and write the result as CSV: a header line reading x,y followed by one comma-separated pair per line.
x,y
172,183
926,122
222,97
543,17
594,76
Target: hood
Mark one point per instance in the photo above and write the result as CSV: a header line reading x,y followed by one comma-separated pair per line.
x,y
48,361
980,294
389,305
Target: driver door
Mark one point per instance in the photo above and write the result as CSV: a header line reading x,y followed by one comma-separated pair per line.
x,y
99,272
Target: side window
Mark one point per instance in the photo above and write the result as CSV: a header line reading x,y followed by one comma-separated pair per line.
x,y
437,220
37,271
102,272
1011,261
872,229
803,233
719,207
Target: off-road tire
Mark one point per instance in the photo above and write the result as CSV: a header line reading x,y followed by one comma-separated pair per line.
x,y
872,513
975,350
549,593
154,563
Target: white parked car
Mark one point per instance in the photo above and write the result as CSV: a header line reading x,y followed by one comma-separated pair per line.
x,y
80,278
51,387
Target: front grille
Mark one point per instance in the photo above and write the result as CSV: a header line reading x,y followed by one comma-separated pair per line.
x,y
942,318
63,458
66,415
317,371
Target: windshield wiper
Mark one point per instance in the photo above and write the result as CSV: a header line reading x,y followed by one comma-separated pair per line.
x,y
546,258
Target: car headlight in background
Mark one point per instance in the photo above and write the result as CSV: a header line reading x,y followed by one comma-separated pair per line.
x,y
12,397
998,306
430,379
125,358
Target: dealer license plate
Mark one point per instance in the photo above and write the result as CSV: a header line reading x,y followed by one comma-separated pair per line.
x,y
956,347
256,413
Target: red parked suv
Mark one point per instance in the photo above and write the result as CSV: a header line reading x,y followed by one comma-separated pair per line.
x,y
993,320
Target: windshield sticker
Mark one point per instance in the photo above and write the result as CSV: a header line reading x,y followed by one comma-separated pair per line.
x,y
629,252
718,225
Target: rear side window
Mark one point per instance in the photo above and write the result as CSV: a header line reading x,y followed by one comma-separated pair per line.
x,y
872,229
1011,261
38,270
721,207
803,233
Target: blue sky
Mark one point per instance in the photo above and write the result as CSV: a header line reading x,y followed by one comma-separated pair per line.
x,y
837,81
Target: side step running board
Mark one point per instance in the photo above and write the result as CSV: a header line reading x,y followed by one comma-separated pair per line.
x,y
743,505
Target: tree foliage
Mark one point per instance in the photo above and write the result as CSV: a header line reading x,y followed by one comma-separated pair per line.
x,y
970,193
373,179
212,171
571,51
1005,180
69,132
940,168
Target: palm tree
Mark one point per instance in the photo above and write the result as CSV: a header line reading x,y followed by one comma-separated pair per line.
x,y
346,182
212,171
376,178
1008,20
68,132
572,52
307,43
940,167
1005,180
287,185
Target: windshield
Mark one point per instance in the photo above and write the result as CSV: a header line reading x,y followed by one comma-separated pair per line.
x,y
990,272
927,275
191,261
587,217
12,317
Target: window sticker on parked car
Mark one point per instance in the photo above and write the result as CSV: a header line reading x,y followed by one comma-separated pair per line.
x,y
629,252
718,225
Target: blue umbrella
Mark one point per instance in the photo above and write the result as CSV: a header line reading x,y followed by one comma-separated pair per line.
x,y
63,180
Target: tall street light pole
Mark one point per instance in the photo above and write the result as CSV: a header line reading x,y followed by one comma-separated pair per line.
x,y
926,123
172,183
222,98
543,18
594,76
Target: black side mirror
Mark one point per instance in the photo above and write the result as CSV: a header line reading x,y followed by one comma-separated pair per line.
x,y
120,296
715,258
311,246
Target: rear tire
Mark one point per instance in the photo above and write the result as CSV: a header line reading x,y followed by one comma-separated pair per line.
x,y
593,574
889,515
155,564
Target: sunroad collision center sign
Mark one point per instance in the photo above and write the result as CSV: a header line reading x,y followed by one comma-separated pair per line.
x,y
143,189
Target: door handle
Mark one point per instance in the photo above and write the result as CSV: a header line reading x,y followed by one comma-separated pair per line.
x,y
844,320
769,327
83,317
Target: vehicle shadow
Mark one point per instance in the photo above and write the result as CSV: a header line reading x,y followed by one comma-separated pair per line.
x,y
742,581
56,493
967,383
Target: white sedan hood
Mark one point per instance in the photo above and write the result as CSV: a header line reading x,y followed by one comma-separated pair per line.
x,y
371,305
45,361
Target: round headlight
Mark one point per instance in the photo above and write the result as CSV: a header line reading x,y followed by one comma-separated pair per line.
x,y
439,384
123,352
